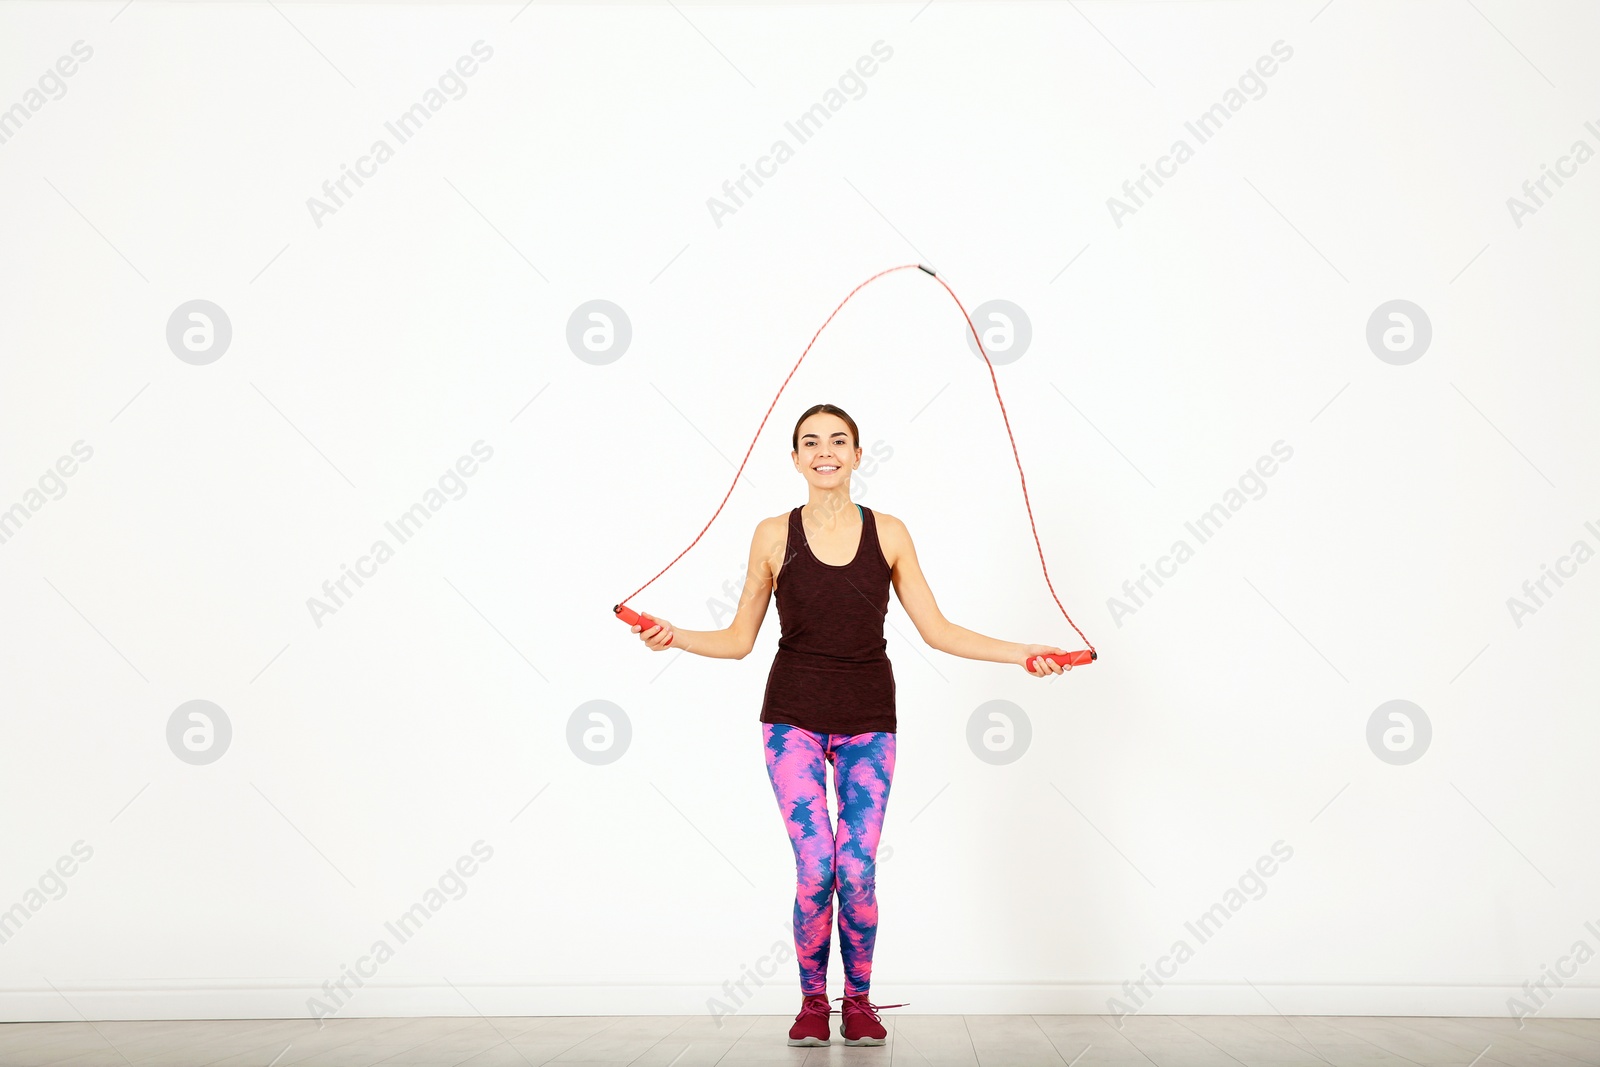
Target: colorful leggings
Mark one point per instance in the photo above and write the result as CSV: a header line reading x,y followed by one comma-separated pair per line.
x,y
825,861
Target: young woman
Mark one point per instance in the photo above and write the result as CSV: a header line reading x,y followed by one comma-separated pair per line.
x,y
830,699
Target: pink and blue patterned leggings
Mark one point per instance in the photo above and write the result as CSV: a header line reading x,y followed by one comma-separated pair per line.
x,y
826,860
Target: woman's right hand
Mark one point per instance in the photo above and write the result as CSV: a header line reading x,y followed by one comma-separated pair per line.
x,y
658,637
1043,667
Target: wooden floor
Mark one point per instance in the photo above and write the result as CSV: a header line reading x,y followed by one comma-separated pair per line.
x,y
914,1041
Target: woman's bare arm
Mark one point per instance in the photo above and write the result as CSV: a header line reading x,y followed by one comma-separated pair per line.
x,y
939,632
736,639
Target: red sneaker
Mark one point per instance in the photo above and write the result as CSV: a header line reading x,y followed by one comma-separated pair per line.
x,y
861,1025
811,1025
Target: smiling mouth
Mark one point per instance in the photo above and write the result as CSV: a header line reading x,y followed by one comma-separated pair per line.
x,y
825,469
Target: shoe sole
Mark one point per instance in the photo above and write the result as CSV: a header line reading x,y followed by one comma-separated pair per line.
x,y
808,1041
864,1041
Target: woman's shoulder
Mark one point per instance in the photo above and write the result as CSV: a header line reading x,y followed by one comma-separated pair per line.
x,y
892,536
774,524
888,522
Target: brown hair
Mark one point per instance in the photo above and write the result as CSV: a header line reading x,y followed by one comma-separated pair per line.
x,y
829,409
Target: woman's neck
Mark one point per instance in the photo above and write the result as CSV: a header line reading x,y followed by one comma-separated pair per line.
x,y
827,506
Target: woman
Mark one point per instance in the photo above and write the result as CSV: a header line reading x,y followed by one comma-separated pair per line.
x,y
830,699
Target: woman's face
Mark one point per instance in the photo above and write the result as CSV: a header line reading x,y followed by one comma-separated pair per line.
x,y
825,443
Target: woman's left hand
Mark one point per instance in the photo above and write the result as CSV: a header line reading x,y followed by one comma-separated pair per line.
x,y
1043,666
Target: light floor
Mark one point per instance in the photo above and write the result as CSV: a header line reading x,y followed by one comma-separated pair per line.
x,y
914,1041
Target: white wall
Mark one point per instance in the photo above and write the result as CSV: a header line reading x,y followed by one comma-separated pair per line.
x,y
1171,349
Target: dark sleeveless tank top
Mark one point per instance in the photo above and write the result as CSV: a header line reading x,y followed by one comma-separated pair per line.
x,y
832,672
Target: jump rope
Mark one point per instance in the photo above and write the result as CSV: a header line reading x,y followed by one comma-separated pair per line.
x,y
1076,659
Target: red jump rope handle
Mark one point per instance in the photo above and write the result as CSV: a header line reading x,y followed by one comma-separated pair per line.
x,y
633,618
1076,659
